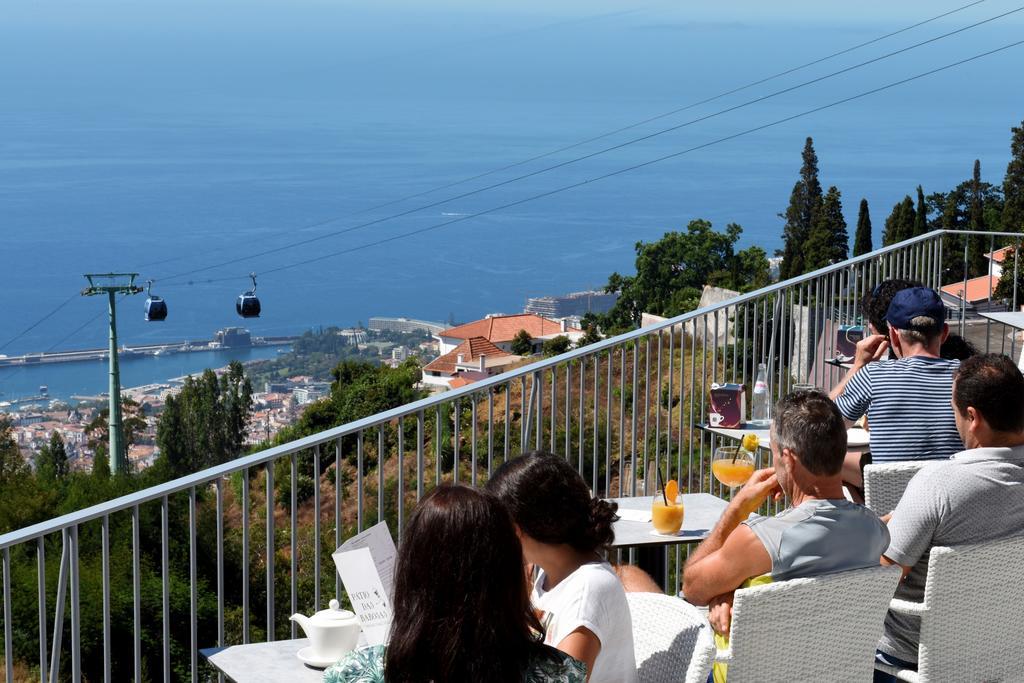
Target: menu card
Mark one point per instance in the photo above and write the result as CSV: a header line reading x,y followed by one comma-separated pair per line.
x,y
366,564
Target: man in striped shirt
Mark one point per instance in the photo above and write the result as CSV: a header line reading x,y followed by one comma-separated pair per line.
x,y
906,399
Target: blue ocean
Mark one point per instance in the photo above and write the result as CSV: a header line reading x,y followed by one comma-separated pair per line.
x,y
179,140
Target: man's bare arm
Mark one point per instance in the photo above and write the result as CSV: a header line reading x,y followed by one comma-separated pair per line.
x,y
868,350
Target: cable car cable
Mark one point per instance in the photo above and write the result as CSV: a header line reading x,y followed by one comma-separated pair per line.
x,y
590,155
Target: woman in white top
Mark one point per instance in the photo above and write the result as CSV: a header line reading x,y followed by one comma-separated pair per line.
x,y
563,530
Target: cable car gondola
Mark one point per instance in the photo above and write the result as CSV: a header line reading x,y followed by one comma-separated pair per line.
x,y
156,307
248,306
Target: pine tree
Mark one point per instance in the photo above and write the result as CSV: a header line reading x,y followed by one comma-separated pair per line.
x,y
862,239
804,205
920,215
977,214
900,223
828,241
101,464
1013,184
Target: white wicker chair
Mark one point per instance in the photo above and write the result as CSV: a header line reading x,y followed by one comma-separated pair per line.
x,y
972,619
672,639
819,629
884,484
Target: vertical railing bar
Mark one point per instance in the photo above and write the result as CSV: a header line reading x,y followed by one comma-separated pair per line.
x,y
608,426
105,577
293,549
219,492
553,427
472,445
693,392
581,421
568,408
271,552
245,556
62,586
41,604
338,492
316,528
136,597
420,420
647,408
508,420
438,453
165,576
704,382
657,408
632,419
456,434
401,477
380,473
622,418
193,601
682,407
668,418
8,640
359,473
597,422
988,321
490,431
524,419
76,610
538,390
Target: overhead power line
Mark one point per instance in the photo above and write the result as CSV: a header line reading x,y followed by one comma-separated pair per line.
x,y
634,167
38,322
584,157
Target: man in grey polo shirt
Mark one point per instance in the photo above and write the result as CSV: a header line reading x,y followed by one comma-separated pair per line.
x,y
976,496
821,533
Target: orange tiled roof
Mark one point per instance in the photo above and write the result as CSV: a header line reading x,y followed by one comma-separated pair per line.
x,y
504,328
458,382
470,350
978,289
999,255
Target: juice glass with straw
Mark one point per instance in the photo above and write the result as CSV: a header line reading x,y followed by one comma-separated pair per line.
x,y
732,466
667,508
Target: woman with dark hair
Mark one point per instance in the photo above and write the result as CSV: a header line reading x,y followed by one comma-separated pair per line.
x,y
564,530
461,609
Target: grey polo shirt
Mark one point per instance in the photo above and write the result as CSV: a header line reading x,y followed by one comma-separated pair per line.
x,y
976,496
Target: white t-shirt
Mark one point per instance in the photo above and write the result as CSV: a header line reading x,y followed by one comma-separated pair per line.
x,y
592,597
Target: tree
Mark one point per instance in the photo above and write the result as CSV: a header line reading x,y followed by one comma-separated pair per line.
x,y
522,343
132,424
862,238
52,461
920,215
1013,184
828,241
1012,265
556,345
804,205
591,333
671,273
900,223
11,462
205,424
101,464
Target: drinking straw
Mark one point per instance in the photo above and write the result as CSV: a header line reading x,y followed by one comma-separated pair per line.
x,y
660,479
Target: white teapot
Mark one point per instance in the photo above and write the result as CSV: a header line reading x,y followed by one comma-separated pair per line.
x,y
332,632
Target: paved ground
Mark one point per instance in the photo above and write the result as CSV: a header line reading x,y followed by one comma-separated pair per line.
x,y
999,337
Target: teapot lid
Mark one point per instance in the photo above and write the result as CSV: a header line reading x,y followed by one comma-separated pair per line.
x,y
334,614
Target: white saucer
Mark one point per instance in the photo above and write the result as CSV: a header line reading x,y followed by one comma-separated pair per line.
x,y
306,658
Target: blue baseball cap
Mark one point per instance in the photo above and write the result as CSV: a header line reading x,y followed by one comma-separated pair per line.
x,y
915,302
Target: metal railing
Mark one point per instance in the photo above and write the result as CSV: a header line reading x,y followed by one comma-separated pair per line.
x,y
208,557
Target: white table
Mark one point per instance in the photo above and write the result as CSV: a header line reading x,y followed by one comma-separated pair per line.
x,y
263,662
857,439
1012,318
701,511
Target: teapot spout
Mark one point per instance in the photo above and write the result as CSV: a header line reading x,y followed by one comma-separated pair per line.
x,y
303,621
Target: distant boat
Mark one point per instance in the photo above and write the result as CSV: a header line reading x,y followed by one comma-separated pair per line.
x,y
43,390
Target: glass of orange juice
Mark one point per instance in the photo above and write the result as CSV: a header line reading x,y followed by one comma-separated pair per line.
x,y
667,519
732,466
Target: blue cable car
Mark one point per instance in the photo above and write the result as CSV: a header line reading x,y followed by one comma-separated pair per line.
x,y
248,306
156,307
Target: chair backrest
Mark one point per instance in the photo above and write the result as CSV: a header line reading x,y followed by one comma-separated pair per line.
x,y
672,640
884,484
824,628
973,621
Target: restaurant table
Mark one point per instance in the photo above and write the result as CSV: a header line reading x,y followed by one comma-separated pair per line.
x,y
263,662
701,511
857,439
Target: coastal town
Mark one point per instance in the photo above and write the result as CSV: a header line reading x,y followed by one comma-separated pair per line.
x,y
451,356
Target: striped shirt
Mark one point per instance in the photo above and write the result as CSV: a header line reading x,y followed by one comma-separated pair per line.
x,y
907,402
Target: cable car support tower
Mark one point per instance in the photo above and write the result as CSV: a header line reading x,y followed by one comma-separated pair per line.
x,y
112,284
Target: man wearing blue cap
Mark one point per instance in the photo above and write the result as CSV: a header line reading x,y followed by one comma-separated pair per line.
x,y
906,399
